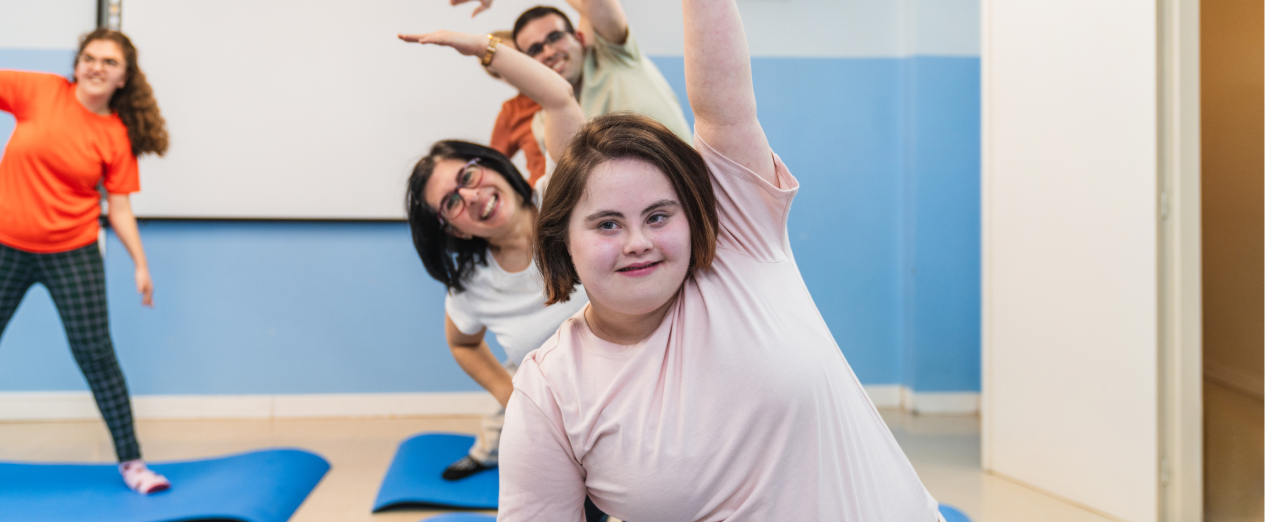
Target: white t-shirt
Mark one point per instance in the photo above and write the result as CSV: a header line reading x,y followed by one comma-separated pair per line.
x,y
512,306
739,407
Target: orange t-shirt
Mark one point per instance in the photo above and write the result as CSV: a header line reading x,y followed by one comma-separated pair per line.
x,y
57,155
513,133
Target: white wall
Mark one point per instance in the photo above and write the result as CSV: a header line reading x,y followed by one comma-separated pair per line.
x,y
45,24
1070,261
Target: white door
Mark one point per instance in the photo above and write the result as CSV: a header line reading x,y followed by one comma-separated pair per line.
x,y
1070,266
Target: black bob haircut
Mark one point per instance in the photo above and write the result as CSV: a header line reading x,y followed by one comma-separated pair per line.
x,y
447,258
539,11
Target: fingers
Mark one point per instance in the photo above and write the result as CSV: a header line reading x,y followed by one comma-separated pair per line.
x,y
483,6
146,289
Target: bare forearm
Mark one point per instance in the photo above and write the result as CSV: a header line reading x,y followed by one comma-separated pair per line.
x,y
562,113
479,363
717,62
606,16
124,224
718,80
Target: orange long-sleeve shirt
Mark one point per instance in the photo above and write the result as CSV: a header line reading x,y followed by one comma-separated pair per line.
x,y
513,133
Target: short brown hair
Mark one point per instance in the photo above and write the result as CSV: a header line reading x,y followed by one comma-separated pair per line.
x,y
612,137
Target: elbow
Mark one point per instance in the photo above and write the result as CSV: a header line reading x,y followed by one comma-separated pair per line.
x,y
561,94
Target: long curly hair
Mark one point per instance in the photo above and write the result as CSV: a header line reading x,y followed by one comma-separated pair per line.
x,y
134,102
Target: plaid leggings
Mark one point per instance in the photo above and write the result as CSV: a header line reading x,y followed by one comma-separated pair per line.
x,y
76,280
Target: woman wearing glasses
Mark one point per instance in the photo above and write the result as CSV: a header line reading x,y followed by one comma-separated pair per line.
x,y
72,135
473,218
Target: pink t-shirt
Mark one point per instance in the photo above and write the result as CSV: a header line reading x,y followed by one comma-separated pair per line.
x,y
739,407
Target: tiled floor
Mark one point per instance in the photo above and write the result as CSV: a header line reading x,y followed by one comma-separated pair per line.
x,y
944,450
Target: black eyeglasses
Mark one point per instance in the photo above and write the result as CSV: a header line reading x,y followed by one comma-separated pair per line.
x,y
451,205
539,47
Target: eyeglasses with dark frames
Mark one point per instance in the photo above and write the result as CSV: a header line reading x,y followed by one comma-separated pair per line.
x,y
451,205
539,47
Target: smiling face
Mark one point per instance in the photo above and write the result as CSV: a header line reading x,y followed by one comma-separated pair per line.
x,y
488,206
101,68
629,238
559,49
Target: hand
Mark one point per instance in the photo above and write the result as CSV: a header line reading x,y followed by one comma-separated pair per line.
x,y
145,287
483,5
465,43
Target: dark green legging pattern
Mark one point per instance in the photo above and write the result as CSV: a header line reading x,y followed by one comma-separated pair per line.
x,y
76,281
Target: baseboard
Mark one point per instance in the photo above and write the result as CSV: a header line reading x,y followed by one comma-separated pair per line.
x,y
884,396
28,406
1240,379
940,403
895,396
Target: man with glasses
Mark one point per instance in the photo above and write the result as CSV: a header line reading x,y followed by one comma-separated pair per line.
x,y
606,68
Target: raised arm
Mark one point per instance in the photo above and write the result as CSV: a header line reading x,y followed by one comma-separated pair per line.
x,y
563,117
605,17
718,81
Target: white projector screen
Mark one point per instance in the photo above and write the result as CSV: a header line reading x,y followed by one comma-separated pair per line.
x,y
289,109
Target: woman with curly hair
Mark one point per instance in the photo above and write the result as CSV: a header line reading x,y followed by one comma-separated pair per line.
x,y
72,135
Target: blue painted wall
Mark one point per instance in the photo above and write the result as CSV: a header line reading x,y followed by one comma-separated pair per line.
x,y
885,230
941,217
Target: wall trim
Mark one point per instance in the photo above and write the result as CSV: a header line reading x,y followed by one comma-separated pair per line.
x,y
940,403
884,396
78,405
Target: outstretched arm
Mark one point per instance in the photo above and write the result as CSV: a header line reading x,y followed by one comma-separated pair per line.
x,y
718,80
563,117
473,355
605,17
124,224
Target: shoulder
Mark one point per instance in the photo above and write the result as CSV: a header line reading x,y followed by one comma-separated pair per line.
x,y
28,86
554,362
35,78
523,103
723,167
604,51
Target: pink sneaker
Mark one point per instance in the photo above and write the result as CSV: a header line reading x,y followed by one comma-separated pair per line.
x,y
141,479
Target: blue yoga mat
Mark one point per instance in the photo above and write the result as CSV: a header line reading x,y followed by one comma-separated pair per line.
x,y
461,517
414,476
953,515
260,486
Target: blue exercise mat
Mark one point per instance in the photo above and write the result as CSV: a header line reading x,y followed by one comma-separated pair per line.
x,y
414,476
260,486
953,515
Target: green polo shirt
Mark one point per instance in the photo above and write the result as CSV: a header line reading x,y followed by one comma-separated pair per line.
x,y
621,78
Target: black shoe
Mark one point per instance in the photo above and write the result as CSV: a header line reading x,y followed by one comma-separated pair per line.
x,y
464,468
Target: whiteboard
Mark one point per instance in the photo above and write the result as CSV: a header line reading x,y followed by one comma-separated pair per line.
x,y
289,109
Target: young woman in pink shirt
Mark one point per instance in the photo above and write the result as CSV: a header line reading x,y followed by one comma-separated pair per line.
x,y
700,382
